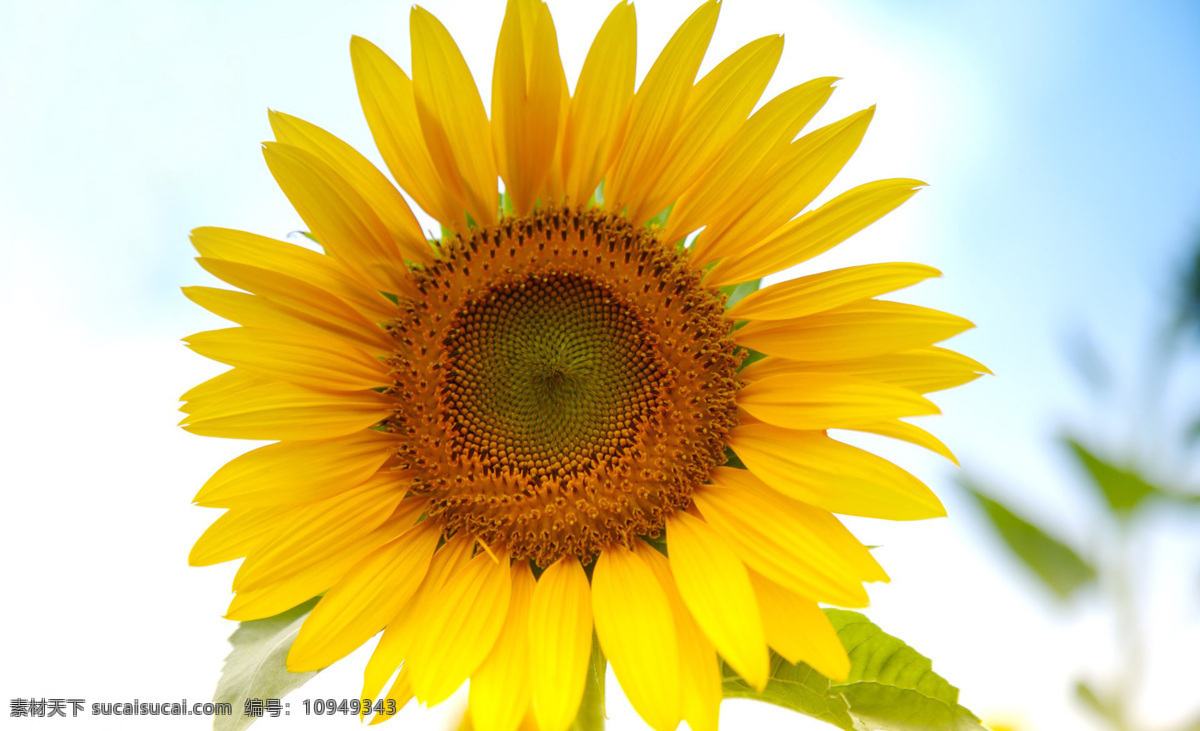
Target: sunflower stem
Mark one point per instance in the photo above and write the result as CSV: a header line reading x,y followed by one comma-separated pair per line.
x,y
591,709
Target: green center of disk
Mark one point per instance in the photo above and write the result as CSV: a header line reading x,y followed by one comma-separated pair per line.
x,y
548,375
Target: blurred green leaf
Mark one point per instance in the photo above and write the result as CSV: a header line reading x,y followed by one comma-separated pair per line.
x,y
1104,708
256,667
1122,489
1058,565
1189,302
891,686
1189,499
1192,435
795,687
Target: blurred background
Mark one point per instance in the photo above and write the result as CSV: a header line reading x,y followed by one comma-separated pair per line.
x,y
1061,141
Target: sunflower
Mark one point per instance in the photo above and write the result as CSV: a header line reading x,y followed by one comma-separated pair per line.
x,y
561,417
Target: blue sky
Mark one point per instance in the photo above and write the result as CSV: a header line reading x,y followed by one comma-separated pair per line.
x,y
1060,141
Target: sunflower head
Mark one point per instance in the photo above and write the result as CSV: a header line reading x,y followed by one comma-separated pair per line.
x,y
481,440
570,382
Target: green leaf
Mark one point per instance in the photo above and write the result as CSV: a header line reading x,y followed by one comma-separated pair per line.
x,y
796,687
660,218
1058,565
591,713
735,292
732,460
256,667
891,686
752,356
1122,489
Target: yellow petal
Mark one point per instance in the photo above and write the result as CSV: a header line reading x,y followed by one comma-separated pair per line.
x,y
716,109
827,290
804,170
828,401
859,330
297,472
699,672
657,110
554,190
248,309
317,572
637,632
527,90
345,224
452,117
716,589
560,620
314,269
922,370
388,104
460,627
598,113
364,600
246,248
402,629
400,694
500,692
228,385
306,360
233,535
363,177
325,527
795,545
755,149
910,433
810,466
542,41
812,233
798,629
305,301
285,411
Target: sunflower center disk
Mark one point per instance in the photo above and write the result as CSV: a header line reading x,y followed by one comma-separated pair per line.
x,y
567,380
549,375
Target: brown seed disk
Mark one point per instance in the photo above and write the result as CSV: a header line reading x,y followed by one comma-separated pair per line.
x,y
566,382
